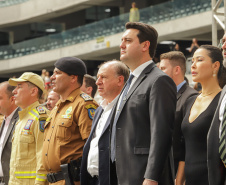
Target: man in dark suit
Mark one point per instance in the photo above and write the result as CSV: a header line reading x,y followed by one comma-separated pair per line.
x,y
216,167
111,78
142,126
10,112
173,64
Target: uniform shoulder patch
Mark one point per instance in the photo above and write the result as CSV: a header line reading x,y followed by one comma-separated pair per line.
x,y
42,122
28,124
86,97
91,106
41,125
41,109
91,110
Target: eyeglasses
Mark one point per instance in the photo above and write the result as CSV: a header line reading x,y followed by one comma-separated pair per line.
x,y
222,42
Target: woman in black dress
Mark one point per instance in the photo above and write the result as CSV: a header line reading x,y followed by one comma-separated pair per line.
x,y
206,69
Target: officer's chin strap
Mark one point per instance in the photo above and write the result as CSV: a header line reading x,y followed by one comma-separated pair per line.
x,y
67,176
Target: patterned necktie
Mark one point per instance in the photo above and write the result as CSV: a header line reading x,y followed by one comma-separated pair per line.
x,y
113,132
222,149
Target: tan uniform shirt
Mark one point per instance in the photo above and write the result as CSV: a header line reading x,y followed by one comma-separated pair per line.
x,y
66,129
26,157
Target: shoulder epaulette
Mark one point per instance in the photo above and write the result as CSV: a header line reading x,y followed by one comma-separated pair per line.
x,y
41,109
43,116
86,97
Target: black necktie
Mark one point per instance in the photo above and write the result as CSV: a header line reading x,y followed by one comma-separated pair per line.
x,y
117,115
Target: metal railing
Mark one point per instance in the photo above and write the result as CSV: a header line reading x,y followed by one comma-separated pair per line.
x,y
150,15
4,3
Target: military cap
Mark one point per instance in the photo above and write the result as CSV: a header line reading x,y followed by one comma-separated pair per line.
x,y
71,66
29,77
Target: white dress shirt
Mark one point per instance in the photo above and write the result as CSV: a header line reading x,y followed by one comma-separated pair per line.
x,y
221,113
93,156
2,137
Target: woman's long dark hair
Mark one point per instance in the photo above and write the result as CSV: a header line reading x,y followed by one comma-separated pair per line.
x,y
216,55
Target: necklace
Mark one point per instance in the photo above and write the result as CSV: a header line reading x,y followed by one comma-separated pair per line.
x,y
208,94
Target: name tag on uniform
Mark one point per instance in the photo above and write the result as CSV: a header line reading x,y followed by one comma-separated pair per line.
x,y
67,116
26,132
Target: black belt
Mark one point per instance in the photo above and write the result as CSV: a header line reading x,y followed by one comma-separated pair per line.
x,y
54,177
2,180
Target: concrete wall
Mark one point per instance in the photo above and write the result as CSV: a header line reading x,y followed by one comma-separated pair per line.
x,y
34,10
182,28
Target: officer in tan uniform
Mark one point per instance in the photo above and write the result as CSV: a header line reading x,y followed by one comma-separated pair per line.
x,y
69,123
26,157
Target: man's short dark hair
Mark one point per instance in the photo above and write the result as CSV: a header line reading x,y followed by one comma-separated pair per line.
x,y
146,33
176,58
120,68
9,89
90,82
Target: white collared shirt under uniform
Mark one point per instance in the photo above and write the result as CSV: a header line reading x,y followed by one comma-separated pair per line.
x,y
93,156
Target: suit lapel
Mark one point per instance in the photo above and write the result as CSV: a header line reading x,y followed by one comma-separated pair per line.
x,y
2,126
108,120
216,115
219,102
180,92
97,115
11,126
222,95
142,76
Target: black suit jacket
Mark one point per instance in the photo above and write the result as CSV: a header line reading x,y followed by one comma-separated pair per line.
x,y
216,169
183,94
7,145
103,145
144,129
